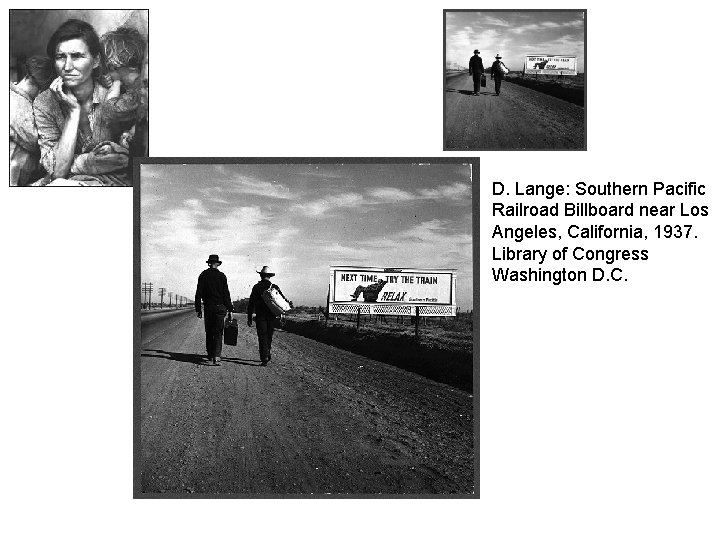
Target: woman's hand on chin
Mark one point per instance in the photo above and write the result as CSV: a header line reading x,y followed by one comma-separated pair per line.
x,y
66,98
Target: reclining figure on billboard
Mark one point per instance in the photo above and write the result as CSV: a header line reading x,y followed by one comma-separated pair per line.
x,y
370,292
541,65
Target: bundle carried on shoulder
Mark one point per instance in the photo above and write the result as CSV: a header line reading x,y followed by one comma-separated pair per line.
x,y
275,301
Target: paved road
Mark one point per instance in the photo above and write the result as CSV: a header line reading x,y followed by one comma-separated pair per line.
x,y
518,119
315,420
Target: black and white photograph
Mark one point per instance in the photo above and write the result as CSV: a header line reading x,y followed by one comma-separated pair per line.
x,y
332,305
306,328
514,80
78,96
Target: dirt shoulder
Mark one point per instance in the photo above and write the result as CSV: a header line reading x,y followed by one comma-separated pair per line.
x,y
316,420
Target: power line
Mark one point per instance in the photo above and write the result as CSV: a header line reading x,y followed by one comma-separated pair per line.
x,y
161,290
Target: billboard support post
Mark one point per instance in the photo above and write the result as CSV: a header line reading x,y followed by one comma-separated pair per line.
x,y
357,324
417,322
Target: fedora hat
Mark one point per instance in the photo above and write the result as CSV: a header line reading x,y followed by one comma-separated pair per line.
x,y
213,259
475,51
498,56
265,271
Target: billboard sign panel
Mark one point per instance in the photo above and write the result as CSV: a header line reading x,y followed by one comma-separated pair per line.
x,y
550,65
392,291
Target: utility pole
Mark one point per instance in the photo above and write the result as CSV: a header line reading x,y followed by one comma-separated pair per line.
x,y
147,292
161,290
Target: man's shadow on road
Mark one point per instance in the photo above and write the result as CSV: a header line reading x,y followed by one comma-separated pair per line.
x,y
469,92
198,359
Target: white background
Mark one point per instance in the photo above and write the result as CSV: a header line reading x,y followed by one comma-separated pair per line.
x,y
599,405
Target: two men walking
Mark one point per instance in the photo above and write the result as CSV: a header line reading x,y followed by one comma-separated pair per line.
x,y
477,70
213,294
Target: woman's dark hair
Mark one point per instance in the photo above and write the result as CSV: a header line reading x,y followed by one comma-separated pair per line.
x,y
77,29
41,70
123,47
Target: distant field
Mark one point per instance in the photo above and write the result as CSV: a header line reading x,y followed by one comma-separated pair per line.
x,y
568,88
443,352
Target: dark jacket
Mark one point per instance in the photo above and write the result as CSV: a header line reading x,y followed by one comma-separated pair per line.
x,y
476,65
257,304
212,289
495,70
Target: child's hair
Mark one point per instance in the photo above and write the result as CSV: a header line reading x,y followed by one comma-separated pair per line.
x,y
41,70
123,47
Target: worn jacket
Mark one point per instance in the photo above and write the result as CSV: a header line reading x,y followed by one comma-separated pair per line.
x,y
212,290
496,70
257,305
476,65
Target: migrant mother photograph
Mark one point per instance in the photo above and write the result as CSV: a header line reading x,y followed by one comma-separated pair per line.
x,y
365,385
514,80
78,96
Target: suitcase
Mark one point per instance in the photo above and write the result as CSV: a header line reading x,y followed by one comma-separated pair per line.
x,y
483,80
230,332
275,302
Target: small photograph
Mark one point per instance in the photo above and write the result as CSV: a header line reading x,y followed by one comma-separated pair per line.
x,y
305,328
514,80
78,96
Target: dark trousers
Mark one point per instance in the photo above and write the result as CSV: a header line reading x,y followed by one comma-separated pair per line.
x,y
265,329
214,321
498,82
476,82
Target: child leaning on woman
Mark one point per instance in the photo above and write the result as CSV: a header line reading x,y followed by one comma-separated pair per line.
x,y
126,64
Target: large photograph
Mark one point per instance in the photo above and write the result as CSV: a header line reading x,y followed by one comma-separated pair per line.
x,y
305,328
78,96
514,80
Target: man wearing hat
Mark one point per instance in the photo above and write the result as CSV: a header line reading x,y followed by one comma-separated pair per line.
x,y
476,70
265,320
497,72
212,289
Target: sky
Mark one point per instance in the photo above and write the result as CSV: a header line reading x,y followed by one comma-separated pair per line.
x,y
513,35
301,219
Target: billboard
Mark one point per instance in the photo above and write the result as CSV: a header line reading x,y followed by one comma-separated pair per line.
x,y
550,65
392,291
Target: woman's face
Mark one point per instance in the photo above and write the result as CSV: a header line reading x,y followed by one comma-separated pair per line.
x,y
74,63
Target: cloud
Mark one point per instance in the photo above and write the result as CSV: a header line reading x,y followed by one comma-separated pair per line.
x,y
392,194
228,182
150,200
429,244
249,186
495,21
345,254
458,191
322,206
544,25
